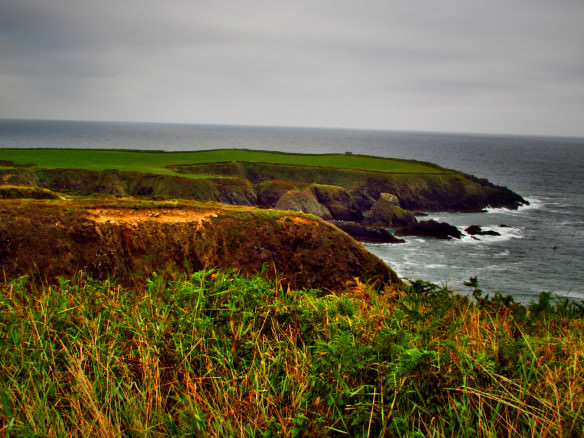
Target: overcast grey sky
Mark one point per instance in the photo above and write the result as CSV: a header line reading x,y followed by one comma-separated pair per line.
x,y
497,66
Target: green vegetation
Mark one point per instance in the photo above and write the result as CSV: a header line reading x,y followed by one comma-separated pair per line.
x,y
158,161
215,354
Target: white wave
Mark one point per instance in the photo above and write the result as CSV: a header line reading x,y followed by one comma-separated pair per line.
x,y
409,241
467,238
434,217
507,211
441,266
505,233
535,203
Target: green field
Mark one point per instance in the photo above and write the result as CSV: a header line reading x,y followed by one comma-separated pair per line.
x,y
158,162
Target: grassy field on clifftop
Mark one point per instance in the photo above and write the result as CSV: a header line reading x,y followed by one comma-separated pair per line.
x,y
215,354
157,161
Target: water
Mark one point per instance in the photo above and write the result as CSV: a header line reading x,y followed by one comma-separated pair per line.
x,y
541,246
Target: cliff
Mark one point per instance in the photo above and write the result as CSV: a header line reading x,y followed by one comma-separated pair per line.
x,y
434,189
424,187
353,190
126,239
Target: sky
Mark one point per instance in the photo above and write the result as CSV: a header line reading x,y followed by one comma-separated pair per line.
x,y
496,66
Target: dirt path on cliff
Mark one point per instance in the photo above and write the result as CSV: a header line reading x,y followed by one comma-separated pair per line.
x,y
133,216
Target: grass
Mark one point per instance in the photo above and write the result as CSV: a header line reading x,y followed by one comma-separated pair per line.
x,y
215,354
157,162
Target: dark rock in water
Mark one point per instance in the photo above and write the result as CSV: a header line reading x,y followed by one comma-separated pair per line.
x,y
367,234
476,230
473,229
388,213
430,228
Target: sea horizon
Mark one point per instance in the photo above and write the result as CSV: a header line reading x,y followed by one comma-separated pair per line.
x,y
301,127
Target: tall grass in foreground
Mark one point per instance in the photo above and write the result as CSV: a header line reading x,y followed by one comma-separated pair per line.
x,y
214,354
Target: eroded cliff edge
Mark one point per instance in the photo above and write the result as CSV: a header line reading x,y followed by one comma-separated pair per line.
x,y
127,238
349,191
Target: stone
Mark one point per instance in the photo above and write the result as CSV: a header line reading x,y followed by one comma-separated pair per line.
x,y
431,228
386,212
339,202
362,233
269,192
304,201
476,230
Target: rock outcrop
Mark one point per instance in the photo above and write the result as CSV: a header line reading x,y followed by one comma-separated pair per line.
x,y
304,201
476,230
269,192
387,212
367,234
431,228
339,202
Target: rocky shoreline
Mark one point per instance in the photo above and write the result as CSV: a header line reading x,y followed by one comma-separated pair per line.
x,y
367,205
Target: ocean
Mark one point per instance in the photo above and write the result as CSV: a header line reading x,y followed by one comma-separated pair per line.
x,y
541,246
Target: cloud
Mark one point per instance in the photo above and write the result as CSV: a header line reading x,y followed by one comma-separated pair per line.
x,y
375,64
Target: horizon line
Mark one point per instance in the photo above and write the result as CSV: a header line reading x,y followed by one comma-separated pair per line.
x,y
314,127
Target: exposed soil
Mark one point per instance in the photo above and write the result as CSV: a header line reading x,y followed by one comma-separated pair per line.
x,y
160,215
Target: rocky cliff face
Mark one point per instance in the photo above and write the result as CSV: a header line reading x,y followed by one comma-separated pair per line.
x,y
124,239
343,191
269,192
331,193
339,202
387,212
444,190
304,201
